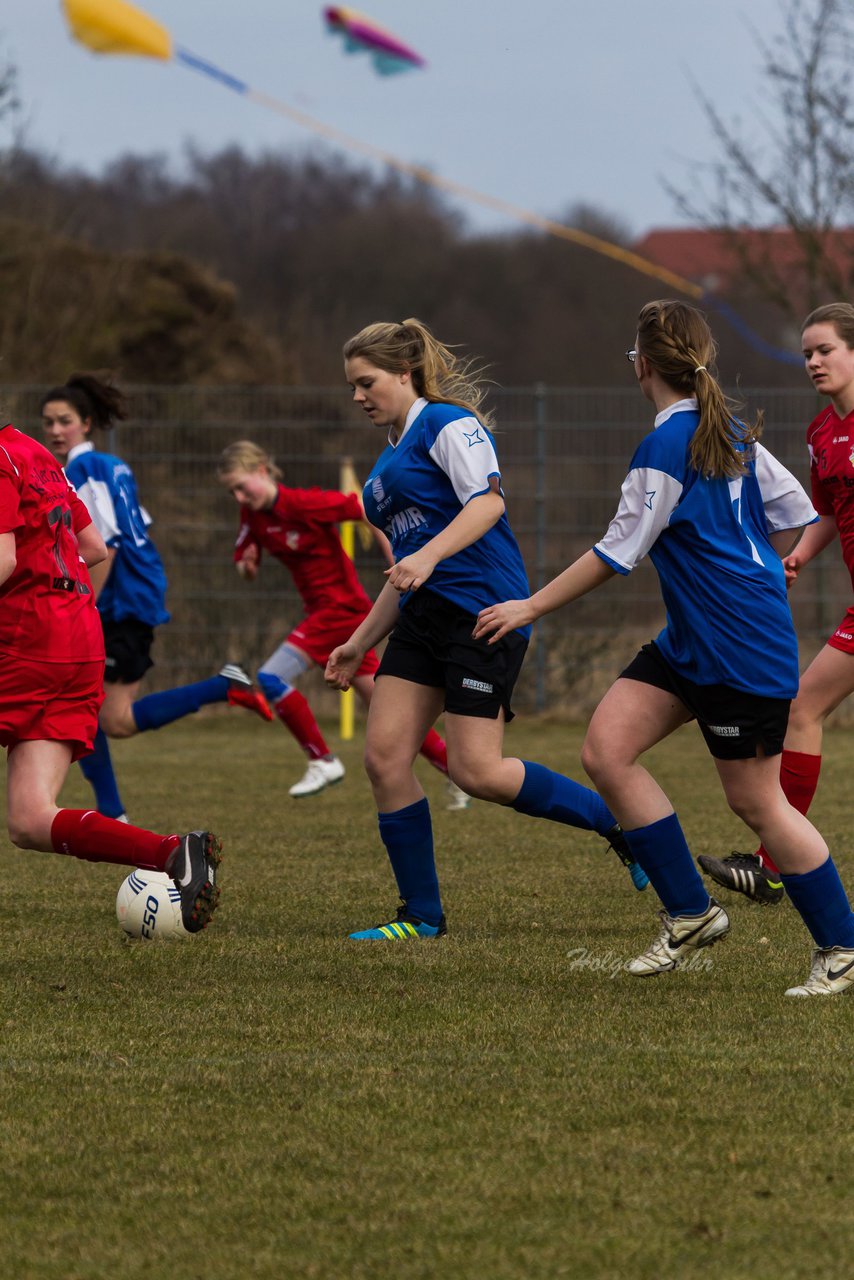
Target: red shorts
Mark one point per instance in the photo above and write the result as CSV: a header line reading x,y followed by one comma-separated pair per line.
x,y
843,636
50,702
319,634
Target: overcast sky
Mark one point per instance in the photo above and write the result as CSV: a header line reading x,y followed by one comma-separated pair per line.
x,y
544,103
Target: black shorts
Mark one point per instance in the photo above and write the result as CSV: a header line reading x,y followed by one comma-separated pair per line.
x,y
734,723
432,644
128,645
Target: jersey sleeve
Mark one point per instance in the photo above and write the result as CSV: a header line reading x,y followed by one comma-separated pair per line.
x,y
784,498
464,450
647,501
80,517
320,506
96,497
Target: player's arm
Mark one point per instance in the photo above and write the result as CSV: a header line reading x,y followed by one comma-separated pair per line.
x,y
247,552
476,518
382,542
8,556
815,538
647,500
99,572
92,548
585,574
345,661
323,506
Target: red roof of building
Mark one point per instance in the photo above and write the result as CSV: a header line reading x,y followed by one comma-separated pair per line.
x,y
709,258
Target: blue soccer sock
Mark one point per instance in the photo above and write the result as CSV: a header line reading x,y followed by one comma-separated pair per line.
x,y
408,837
820,900
97,769
157,709
545,794
662,850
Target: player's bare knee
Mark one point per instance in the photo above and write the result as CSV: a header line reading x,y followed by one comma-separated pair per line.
x,y
118,724
22,831
593,761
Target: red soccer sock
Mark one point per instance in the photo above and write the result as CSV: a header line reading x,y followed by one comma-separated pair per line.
x,y
296,715
83,833
799,779
434,750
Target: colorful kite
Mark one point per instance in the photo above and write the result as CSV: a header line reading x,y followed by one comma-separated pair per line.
x,y
114,26
363,35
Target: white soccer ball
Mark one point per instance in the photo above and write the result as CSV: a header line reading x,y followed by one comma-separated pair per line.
x,y
148,905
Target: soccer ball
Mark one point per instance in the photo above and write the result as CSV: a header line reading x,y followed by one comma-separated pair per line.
x,y
148,905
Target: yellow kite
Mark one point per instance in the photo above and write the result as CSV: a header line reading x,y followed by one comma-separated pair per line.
x,y
113,26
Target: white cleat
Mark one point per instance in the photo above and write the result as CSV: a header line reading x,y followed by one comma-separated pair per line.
x,y
456,797
319,775
680,937
831,974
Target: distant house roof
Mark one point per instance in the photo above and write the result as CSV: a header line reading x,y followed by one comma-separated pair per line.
x,y
709,258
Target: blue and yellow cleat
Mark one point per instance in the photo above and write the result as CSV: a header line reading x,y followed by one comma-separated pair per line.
x,y
403,928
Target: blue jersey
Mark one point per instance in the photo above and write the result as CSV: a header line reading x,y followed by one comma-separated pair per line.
x,y
724,588
136,587
444,458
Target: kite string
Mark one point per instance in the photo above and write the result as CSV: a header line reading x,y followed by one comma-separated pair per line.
x,y
422,174
498,205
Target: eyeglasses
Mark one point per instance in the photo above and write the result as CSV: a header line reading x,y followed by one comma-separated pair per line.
x,y
632,355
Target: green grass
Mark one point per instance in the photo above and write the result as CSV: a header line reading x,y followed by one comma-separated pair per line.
x,y
270,1100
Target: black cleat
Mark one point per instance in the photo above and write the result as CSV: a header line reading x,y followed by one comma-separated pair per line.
x,y
192,865
744,873
617,841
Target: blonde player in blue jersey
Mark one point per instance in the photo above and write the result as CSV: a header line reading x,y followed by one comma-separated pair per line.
x,y
130,586
715,512
436,493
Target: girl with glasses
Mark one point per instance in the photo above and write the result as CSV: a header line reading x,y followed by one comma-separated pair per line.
x,y
715,512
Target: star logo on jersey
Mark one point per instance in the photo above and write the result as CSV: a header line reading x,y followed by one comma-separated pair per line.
x,y
650,494
474,437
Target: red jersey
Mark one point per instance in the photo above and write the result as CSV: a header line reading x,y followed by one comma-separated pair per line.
x,y
830,440
299,529
47,608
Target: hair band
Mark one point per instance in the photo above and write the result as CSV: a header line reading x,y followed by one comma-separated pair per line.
x,y
700,368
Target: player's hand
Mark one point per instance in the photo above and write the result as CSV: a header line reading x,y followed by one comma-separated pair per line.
x,y
791,568
498,619
247,565
411,572
343,664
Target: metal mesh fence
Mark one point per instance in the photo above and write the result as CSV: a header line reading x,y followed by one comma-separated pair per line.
x,y
563,454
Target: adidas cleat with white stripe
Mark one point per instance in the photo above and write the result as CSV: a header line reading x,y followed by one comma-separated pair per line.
x,y
744,873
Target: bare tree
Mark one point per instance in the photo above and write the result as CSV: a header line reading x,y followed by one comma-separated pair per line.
x,y
10,104
792,168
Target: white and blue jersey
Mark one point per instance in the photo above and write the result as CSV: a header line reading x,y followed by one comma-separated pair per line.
x,y
723,584
443,459
136,587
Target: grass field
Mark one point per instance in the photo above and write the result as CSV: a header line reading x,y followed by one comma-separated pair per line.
x,y
270,1100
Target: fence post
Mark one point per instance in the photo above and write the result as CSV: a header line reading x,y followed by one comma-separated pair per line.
x,y
540,534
